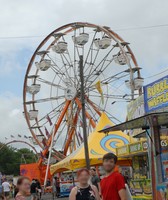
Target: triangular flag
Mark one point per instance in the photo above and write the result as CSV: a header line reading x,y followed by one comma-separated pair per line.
x,y
99,89
49,120
47,133
44,142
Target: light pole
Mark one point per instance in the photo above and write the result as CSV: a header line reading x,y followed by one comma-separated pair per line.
x,y
82,94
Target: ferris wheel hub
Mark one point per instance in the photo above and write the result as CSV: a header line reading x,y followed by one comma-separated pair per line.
x,y
70,93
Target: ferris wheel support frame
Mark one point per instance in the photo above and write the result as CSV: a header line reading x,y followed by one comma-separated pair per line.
x,y
45,151
85,138
71,132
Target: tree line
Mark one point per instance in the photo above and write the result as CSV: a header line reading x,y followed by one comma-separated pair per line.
x,y
11,158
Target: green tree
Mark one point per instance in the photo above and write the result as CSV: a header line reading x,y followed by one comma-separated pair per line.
x,y
11,158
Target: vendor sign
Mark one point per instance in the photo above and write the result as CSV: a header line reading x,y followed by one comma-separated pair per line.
x,y
156,95
122,151
134,148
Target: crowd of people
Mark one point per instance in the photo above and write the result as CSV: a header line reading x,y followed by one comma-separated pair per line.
x,y
90,187
23,190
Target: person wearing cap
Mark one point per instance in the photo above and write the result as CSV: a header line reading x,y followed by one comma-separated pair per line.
x,y
95,179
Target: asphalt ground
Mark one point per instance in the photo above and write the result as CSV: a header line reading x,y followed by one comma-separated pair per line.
x,y
50,197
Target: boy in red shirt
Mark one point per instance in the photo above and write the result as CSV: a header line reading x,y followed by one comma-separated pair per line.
x,y
113,184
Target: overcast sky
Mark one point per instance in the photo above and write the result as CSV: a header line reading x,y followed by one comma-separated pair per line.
x,y
19,18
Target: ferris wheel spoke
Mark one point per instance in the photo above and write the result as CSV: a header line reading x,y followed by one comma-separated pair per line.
x,y
71,64
106,80
92,105
67,70
90,48
44,100
97,94
57,109
51,83
101,63
58,70
92,63
112,116
108,113
91,112
119,78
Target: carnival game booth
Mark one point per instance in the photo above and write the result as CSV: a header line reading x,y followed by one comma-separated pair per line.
x,y
98,144
140,183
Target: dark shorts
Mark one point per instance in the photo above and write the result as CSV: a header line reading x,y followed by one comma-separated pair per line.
x,y
6,194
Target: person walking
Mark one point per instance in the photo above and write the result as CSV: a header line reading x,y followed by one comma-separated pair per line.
x,y
113,184
56,186
6,189
84,191
38,189
95,179
23,188
33,189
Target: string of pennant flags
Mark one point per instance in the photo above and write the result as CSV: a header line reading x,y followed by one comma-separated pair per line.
x,y
20,136
27,137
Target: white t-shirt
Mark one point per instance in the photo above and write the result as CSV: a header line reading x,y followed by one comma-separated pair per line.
x,y
6,186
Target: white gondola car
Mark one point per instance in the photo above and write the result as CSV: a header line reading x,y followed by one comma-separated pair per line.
x,y
60,47
103,43
82,39
138,82
43,65
115,57
34,88
120,58
33,114
128,84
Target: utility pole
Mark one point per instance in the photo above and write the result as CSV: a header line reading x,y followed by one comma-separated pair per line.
x,y
82,93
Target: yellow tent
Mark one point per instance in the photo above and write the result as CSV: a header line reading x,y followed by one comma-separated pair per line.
x,y
98,143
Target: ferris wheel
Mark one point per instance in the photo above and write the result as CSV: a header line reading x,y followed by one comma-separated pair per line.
x,y
52,93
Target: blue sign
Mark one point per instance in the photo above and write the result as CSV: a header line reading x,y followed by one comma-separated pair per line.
x,y
156,95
